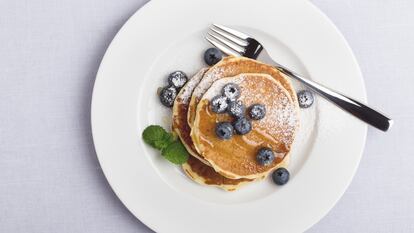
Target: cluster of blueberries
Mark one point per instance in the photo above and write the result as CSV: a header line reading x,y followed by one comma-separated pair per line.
x,y
176,80
228,102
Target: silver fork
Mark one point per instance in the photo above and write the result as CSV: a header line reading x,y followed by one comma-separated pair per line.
x,y
236,43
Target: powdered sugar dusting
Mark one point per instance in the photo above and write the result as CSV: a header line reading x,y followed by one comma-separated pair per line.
x,y
185,93
281,120
209,78
216,88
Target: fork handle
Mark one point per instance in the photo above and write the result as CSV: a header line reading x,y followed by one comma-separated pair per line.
x,y
354,107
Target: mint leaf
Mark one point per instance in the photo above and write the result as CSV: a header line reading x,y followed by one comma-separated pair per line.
x,y
175,153
169,138
164,142
156,136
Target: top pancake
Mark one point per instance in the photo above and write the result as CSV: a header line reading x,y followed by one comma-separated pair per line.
x,y
232,66
236,158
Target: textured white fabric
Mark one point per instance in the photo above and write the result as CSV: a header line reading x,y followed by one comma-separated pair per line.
x,y
50,180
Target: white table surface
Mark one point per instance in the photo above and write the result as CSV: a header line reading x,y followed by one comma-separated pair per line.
x,y
50,179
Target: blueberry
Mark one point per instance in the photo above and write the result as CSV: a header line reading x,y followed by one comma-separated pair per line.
x,y
167,96
224,130
305,98
231,91
257,111
242,126
236,108
219,104
280,176
265,156
212,56
177,79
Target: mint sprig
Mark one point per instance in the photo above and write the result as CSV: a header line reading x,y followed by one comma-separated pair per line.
x,y
171,148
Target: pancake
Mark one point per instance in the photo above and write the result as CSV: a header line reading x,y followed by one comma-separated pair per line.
x,y
197,168
236,158
232,66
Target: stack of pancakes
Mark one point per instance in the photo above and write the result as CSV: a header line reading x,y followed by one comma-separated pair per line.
x,y
231,163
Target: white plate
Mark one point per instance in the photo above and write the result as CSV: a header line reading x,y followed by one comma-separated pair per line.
x,y
168,35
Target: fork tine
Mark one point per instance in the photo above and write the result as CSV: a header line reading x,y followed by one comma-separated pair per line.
x,y
223,48
229,44
231,31
230,37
